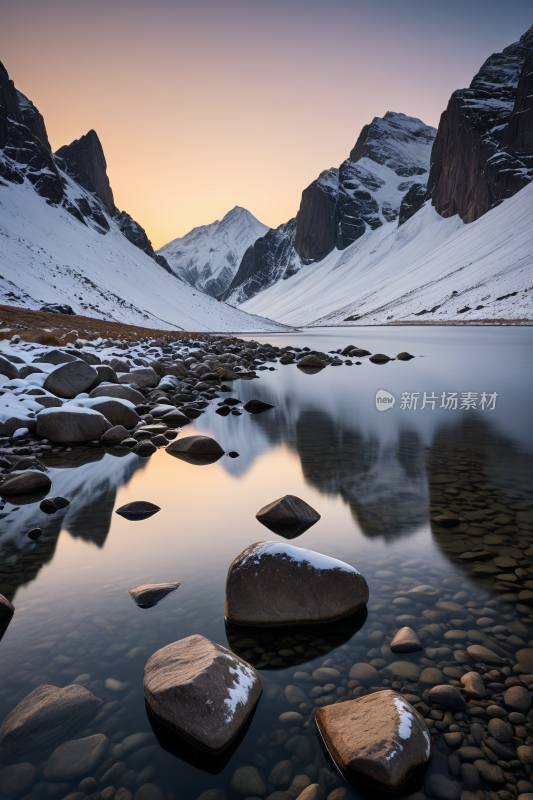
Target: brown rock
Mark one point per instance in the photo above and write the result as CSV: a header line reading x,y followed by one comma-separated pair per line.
x,y
271,583
406,641
484,655
17,780
76,758
201,690
312,792
281,775
150,594
491,773
525,657
44,718
448,696
474,685
518,698
30,481
501,730
424,594
365,674
379,738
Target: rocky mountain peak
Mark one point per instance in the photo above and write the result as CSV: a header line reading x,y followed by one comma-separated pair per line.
x,y
397,141
84,161
33,119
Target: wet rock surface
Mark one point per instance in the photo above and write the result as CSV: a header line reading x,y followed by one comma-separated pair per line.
x,y
148,595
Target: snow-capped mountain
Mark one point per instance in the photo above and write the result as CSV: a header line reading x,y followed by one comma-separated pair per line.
x,y
430,268
460,248
209,256
62,240
389,160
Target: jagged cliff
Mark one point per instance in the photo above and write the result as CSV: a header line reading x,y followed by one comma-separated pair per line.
x,y
84,161
483,151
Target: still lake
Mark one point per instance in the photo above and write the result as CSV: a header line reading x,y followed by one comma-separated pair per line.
x,y
375,477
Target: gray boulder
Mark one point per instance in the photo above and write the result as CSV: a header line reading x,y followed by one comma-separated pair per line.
x,y
114,435
8,369
71,424
144,377
30,481
106,373
54,357
288,511
122,392
148,595
117,412
273,583
70,379
44,719
202,690
12,424
196,446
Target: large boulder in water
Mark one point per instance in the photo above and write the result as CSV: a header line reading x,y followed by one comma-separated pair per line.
x,y
118,412
201,690
379,738
310,362
28,482
44,719
288,516
70,379
196,449
71,424
271,583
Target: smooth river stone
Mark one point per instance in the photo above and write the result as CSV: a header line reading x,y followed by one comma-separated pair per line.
x,y
424,594
148,595
43,718
289,510
76,758
406,641
474,685
196,446
365,674
448,696
484,655
405,670
518,698
272,583
379,738
201,690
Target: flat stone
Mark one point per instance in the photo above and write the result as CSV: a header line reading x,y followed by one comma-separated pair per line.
x,y
150,594
138,508
26,483
70,379
379,737
424,594
406,641
326,675
202,690
484,655
17,780
474,685
76,758
291,718
404,669
518,698
491,773
501,730
273,583
43,718
448,696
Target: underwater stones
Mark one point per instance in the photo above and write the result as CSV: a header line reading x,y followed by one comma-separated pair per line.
x,y
138,509
70,379
525,660
281,775
518,698
248,781
26,483
17,780
448,696
289,516
424,594
71,424
379,738
474,685
201,690
366,674
406,641
256,406
44,718
271,583
484,655
76,758
405,670
150,594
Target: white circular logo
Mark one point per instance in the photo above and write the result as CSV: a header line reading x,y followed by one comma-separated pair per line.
x,y
384,400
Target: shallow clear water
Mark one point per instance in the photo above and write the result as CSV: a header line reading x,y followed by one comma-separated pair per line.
x,y
375,478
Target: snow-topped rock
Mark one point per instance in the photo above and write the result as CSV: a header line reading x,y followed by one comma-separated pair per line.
x,y
201,690
273,583
379,738
208,256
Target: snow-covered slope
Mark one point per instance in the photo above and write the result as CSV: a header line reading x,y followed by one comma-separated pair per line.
x,y
209,256
430,268
48,256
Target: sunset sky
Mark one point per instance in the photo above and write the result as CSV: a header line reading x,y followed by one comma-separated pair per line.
x,y
202,105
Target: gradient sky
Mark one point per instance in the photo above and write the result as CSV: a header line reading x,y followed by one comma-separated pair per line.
x,y
202,105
